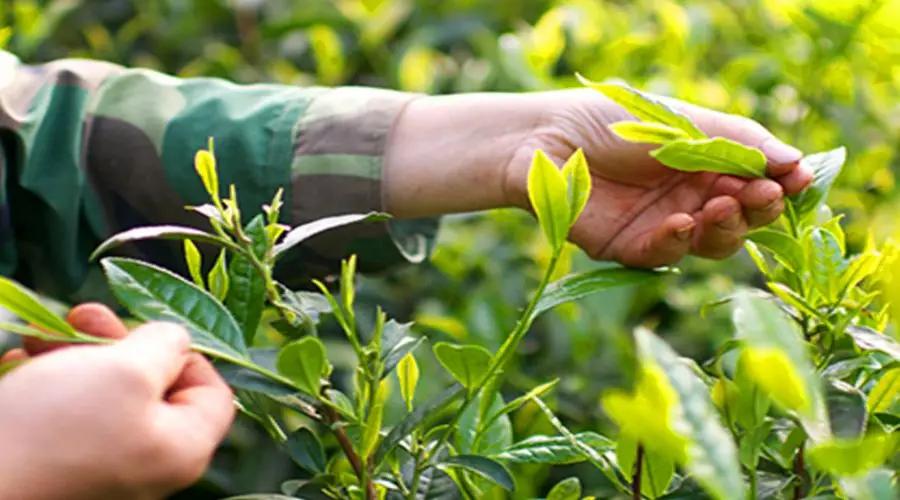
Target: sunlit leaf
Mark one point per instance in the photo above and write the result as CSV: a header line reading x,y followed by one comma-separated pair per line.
x,y
547,192
194,262
719,155
783,247
304,362
578,181
218,278
408,376
205,165
885,392
20,301
825,168
852,457
467,364
647,132
567,489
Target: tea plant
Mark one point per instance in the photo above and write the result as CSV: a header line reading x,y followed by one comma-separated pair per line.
x,y
457,443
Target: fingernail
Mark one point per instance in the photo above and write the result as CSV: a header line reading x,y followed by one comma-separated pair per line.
x,y
780,153
772,192
731,222
684,233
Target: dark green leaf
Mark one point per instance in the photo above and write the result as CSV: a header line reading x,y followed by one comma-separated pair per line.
x,y
20,301
301,233
247,289
467,363
553,449
155,232
435,484
577,286
825,168
305,449
846,409
484,467
416,418
719,155
477,434
396,343
155,294
567,489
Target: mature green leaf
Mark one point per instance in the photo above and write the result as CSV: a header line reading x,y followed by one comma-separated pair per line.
x,y
408,376
751,444
657,471
846,410
885,392
155,232
784,248
567,489
194,262
868,339
247,288
647,132
218,278
435,484
825,262
484,467
555,450
577,286
644,106
468,364
578,184
548,194
719,155
303,232
152,293
825,168
305,450
20,301
396,342
481,429
304,362
416,418
712,457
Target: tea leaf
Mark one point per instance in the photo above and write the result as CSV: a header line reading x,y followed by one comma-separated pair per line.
x,y
218,278
305,450
852,457
416,418
553,449
301,233
846,407
784,248
885,392
711,455
467,364
535,392
484,467
155,232
656,471
647,132
577,286
478,432
304,362
548,194
20,301
396,343
578,181
645,107
194,262
247,288
719,155
372,432
152,293
408,376
825,168
567,489
205,165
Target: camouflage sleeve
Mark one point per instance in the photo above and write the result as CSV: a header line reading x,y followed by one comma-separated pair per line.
x,y
88,149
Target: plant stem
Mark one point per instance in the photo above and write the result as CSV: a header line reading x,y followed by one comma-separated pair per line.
x,y
331,417
636,475
799,471
753,486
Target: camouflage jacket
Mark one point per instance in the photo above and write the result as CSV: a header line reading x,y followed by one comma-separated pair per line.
x,y
89,148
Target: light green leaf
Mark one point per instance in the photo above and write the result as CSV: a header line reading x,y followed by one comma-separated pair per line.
x,y
304,362
194,262
578,182
20,301
536,392
577,286
218,278
205,165
645,107
408,376
467,364
885,392
783,247
656,471
567,489
484,467
305,450
302,233
155,232
647,132
555,450
712,457
844,457
152,293
825,262
825,168
548,195
372,432
480,434
246,287
719,155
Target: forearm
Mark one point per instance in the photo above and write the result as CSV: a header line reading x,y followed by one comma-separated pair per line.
x,y
451,154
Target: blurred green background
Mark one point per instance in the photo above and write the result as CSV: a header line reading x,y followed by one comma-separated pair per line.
x,y
819,73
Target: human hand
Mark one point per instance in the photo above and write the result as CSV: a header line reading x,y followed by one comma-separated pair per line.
x,y
473,151
136,419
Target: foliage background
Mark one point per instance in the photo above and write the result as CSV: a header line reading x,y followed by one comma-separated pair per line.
x,y
819,73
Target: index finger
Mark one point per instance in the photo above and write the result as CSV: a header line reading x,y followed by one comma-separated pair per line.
x,y
92,318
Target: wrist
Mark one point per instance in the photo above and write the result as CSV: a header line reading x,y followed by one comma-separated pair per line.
x,y
460,153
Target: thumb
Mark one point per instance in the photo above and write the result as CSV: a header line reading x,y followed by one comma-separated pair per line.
x,y
158,350
782,158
